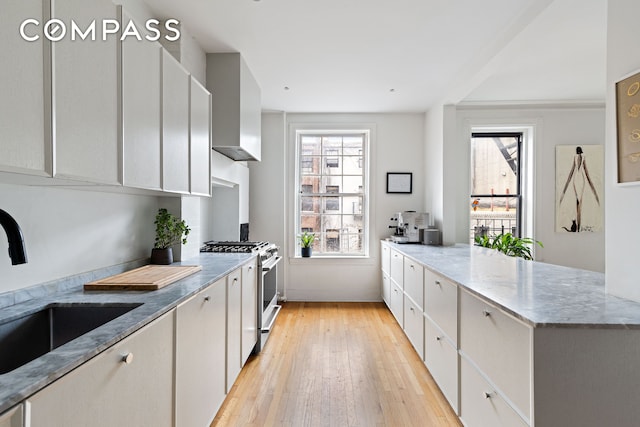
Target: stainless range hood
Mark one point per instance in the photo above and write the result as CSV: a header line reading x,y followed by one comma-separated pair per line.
x,y
236,107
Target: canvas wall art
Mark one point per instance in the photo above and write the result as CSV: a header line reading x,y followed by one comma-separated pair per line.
x,y
579,188
628,128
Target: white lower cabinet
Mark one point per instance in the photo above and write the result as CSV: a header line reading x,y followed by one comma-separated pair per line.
x,y
14,417
397,303
441,358
386,288
249,309
234,327
129,384
200,356
501,347
414,325
480,404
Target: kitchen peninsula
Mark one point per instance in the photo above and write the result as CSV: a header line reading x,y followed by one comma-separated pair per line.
x,y
515,342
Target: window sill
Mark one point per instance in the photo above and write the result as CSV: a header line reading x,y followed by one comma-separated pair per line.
x,y
318,259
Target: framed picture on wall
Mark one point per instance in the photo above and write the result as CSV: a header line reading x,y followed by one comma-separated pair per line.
x,y
628,128
399,182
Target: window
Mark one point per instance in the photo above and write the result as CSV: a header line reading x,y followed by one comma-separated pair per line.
x,y
332,201
495,184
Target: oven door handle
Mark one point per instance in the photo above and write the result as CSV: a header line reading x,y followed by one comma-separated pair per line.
x,y
271,265
276,310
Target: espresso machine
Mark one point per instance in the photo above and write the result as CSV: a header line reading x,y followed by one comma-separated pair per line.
x,y
409,226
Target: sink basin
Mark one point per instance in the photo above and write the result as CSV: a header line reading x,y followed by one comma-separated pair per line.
x,y
33,335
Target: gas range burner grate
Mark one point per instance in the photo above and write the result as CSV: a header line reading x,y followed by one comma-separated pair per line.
x,y
237,247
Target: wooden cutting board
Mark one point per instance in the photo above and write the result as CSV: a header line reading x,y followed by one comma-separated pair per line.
x,y
147,278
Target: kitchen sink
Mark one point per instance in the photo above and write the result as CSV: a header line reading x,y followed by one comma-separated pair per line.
x,y
33,335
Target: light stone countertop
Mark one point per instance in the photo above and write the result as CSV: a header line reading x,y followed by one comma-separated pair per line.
x,y
26,380
540,294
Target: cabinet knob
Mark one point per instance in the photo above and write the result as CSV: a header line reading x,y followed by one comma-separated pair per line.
x,y
438,283
411,308
250,267
488,394
207,298
235,279
127,358
486,313
412,266
438,338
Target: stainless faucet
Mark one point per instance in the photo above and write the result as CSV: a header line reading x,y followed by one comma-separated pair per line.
x,y
17,250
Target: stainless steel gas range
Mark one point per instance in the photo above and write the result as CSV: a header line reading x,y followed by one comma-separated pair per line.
x,y
268,260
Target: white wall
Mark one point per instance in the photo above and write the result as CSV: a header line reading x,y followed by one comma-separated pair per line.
x,y
267,217
553,126
623,201
69,232
396,145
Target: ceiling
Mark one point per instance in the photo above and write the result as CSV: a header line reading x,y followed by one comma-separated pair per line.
x,y
405,55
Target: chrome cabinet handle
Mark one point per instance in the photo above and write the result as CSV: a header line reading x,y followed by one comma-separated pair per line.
x,y
486,313
127,358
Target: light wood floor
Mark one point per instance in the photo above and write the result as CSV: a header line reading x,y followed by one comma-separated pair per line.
x,y
335,364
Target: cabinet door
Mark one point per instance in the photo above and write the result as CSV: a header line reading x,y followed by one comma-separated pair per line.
x,y
107,391
85,96
396,268
441,303
249,310
414,325
386,289
414,282
397,303
441,358
385,255
141,86
25,135
200,140
234,326
480,404
13,417
175,125
200,356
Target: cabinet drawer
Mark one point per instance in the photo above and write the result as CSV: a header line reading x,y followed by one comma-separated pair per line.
x,y
414,281
441,358
414,325
396,268
386,289
441,303
500,346
385,255
397,303
480,404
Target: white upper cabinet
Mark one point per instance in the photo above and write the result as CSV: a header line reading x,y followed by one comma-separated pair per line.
x,y
25,135
85,96
175,125
236,130
200,140
141,126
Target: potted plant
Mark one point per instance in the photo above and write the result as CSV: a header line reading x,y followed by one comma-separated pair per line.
x,y
170,231
306,240
508,244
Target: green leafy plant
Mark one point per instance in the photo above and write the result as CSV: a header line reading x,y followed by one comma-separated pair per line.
x,y
509,244
306,239
170,230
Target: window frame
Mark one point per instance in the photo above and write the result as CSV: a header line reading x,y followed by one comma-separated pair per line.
x,y
363,161
519,184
